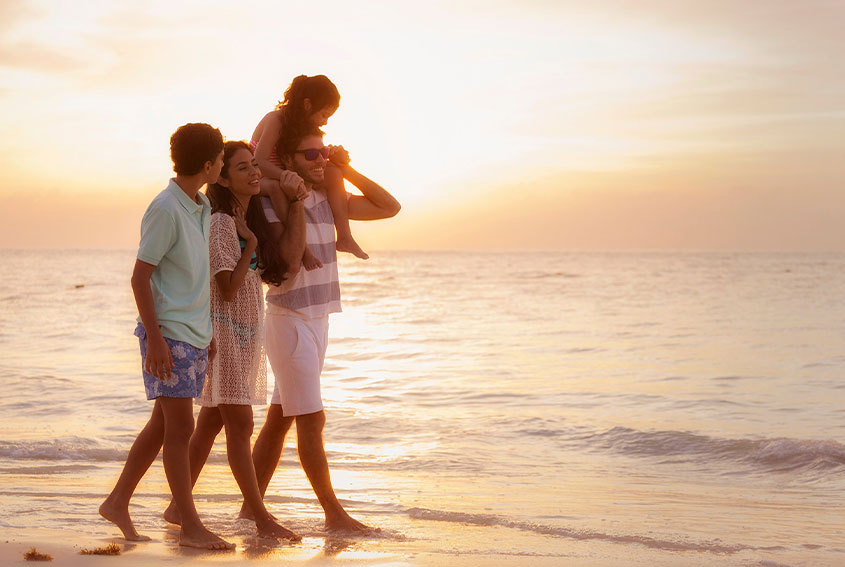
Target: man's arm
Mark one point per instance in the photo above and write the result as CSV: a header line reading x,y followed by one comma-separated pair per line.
x,y
158,361
376,203
292,236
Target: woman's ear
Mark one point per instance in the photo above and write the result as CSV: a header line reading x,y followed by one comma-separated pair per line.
x,y
306,104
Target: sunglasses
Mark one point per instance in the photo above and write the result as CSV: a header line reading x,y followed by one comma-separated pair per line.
x,y
312,153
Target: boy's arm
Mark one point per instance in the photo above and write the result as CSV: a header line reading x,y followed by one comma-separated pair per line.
x,y
376,203
158,361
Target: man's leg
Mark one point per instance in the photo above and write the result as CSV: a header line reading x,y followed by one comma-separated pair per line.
x,y
178,426
267,451
209,424
312,455
142,454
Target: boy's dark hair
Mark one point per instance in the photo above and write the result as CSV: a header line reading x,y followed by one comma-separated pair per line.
x,y
290,139
192,145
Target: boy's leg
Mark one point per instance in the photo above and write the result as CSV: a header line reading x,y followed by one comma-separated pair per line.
x,y
142,454
312,455
239,426
336,194
209,424
178,426
267,451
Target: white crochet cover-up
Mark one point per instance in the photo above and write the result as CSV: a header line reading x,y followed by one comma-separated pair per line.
x,y
238,374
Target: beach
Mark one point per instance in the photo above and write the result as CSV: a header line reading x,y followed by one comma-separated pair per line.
x,y
484,408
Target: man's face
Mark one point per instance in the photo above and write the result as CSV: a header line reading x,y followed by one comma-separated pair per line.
x,y
312,171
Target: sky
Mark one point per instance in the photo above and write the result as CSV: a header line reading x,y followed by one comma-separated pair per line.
x,y
530,124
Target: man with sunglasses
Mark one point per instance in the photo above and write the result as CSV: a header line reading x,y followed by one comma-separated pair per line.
x,y
296,324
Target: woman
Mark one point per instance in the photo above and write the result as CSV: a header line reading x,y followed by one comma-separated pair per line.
x,y
242,253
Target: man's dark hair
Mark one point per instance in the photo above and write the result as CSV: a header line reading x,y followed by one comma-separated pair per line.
x,y
192,145
290,139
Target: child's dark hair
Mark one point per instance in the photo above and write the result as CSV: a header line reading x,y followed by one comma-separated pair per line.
x,y
318,89
270,263
192,145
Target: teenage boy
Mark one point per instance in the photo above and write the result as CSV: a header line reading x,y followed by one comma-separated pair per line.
x,y
171,286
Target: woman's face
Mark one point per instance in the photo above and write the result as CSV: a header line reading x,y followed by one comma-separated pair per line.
x,y
243,175
321,117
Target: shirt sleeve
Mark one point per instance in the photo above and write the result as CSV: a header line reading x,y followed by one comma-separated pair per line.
x,y
224,248
158,235
269,212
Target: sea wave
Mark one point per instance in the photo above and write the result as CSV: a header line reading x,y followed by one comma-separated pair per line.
x,y
577,534
765,455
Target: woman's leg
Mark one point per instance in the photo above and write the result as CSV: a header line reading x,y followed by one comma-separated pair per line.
x,y
239,427
267,451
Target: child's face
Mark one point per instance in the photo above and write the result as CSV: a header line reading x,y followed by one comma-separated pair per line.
x,y
243,176
321,117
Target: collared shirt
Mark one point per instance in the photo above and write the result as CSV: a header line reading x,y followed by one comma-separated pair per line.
x,y
174,239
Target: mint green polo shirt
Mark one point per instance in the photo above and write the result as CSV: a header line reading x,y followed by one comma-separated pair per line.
x,y
174,239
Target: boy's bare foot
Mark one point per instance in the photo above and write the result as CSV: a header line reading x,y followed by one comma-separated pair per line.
x,y
119,516
203,539
310,261
348,244
347,524
270,528
172,514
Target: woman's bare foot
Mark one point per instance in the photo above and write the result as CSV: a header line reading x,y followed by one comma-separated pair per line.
x,y
119,516
201,538
172,514
310,261
270,528
347,524
345,243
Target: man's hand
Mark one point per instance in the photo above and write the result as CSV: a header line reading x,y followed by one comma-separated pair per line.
x,y
158,361
338,156
293,186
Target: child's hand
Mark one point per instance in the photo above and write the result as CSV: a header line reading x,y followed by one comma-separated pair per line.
x,y
338,156
292,186
240,224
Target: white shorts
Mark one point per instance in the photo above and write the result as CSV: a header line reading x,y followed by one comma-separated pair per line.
x,y
296,348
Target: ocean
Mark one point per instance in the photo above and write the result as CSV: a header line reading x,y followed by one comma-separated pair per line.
x,y
484,408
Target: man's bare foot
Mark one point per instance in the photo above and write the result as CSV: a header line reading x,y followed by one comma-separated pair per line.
x,y
119,516
172,514
347,524
310,261
270,528
348,244
203,539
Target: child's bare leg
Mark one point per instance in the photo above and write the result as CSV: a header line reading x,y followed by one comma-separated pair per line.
x,y
270,188
178,426
336,194
142,454
209,424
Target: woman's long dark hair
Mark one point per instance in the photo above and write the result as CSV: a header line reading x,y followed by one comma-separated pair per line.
x,y
270,264
318,89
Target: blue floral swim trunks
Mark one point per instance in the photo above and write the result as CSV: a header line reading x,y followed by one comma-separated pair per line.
x,y
187,375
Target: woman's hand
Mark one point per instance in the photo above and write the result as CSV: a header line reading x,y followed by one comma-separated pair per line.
x,y
240,224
